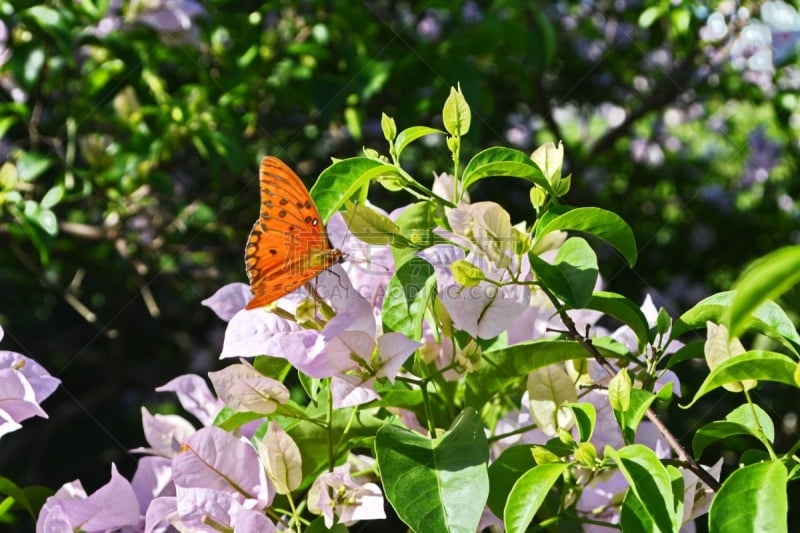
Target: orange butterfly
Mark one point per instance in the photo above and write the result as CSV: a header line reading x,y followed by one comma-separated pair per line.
x,y
287,246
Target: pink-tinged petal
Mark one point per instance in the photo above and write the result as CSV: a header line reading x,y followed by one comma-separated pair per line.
x,y
7,423
670,377
195,397
196,506
2,333
598,499
648,435
409,419
369,505
252,520
343,352
243,388
17,397
352,501
161,513
41,381
53,519
214,459
164,433
484,310
229,300
369,267
152,479
253,333
394,349
113,506
697,496
325,353
348,391
488,519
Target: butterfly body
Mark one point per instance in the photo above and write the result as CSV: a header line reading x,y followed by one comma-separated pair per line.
x,y
287,246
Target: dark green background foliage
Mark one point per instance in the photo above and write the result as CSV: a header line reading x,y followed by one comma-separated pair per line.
x,y
137,152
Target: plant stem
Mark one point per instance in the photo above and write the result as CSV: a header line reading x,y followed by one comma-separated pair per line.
x,y
687,460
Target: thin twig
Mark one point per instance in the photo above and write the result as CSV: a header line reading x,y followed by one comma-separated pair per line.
x,y
686,459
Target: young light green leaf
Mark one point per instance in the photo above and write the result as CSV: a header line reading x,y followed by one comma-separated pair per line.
x,y
619,391
409,135
466,274
456,113
549,158
755,364
765,279
427,481
719,347
663,321
753,498
388,127
586,454
280,456
373,227
528,494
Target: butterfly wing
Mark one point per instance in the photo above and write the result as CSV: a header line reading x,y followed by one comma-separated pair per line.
x,y
287,246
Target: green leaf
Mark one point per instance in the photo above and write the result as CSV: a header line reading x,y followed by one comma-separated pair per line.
x,y
347,431
624,310
740,421
603,224
528,494
52,197
634,515
585,418
343,179
31,165
501,367
465,273
755,364
30,498
409,135
456,114
768,319
318,526
42,217
389,127
499,161
429,482
619,391
752,499
765,279
573,274
416,222
640,402
650,15
504,472
373,227
406,297
651,483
